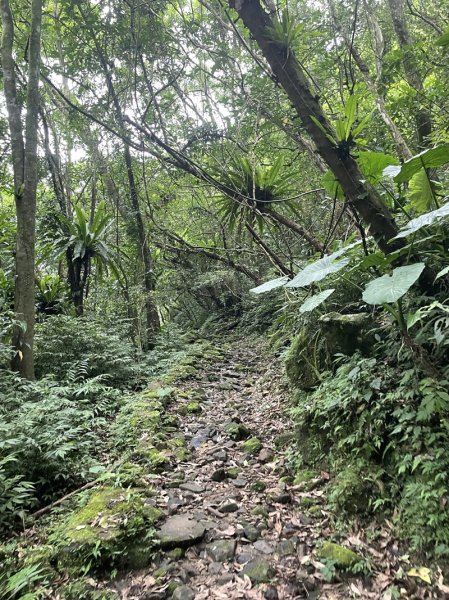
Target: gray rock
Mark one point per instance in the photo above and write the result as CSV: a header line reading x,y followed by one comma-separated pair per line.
x,y
286,547
244,557
215,568
219,455
221,550
251,533
263,547
259,571
219,475
191,486
180,531
271,593
228,506
225,578
280,497
265,455
183,593
240,483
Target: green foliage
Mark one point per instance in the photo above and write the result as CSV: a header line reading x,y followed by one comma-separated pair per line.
x,y
49,440
382,428
67,347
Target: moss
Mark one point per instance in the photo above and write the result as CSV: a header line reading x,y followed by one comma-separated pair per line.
x,y
252,446
339,555
108,530
299,364
237,431
233,472
303,477
258,486
194,407
260,511
259,571
314,510
176,553
307,502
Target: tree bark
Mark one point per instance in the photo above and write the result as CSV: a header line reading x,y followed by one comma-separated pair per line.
x,y
24,158
361,196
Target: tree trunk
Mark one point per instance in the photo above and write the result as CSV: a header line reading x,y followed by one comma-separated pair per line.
x,y
423,118
361,196
24,158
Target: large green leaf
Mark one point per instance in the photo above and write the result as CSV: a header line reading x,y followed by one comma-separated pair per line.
x,y
431,158
420,193
332,187
372,164
269,285
315,301
444,39
390,288
318,271
424,221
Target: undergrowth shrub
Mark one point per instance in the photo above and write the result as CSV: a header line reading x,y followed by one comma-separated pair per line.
x,y
382,429
50,439
65,344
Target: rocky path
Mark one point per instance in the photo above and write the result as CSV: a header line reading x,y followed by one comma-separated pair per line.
x,y
234,527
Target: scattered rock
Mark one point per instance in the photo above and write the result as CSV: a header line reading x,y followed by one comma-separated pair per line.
x,y
183,592
271,593
240,483
219,475
191,486
244,557
225,578
261,511
286,547
233,472
251,532
341,557
280,497
259,571
180,531
221,550
263,547
265,455
220,455
228,506
237,431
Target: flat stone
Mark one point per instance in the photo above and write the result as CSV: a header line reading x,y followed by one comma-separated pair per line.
x,y
215,568
225,578
263,547
221,550
228,506
265,455
259,571
251,532
280,497
240,483
183,592
180,531
191,486
244,557
220,455
286,547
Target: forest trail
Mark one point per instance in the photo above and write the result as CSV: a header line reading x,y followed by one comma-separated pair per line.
x,y
244,531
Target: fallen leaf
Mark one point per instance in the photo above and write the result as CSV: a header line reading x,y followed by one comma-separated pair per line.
x,y
422,573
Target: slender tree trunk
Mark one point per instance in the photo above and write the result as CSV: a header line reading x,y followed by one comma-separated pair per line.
x,y
423,118
294,226
273,257
24,158
362,197
153,324
400,144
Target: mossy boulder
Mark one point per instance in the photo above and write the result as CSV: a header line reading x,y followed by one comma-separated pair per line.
x,y
301,362
252,446
259,571
110,530
344,334
339,555
304,478
237,431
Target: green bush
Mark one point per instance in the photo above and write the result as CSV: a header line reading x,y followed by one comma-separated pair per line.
x,y
65,344
50,439
380,428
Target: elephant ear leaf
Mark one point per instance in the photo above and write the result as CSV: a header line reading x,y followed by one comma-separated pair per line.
x,y
390,288
269,285
315,301
431,158
424,220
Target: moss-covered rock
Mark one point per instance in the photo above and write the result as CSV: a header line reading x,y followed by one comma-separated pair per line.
x,y
301,363
258,486
259,571
339,555
111,529
233,472
303,477
252,446
344,334
237,431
